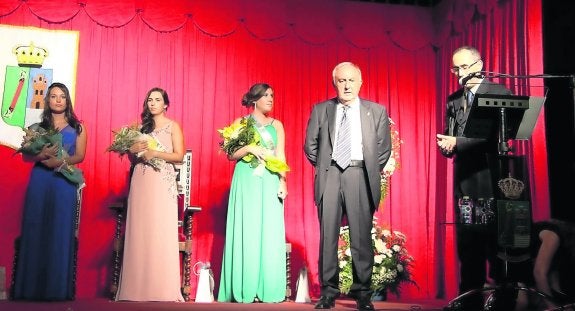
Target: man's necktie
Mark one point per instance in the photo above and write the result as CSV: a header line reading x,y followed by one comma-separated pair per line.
x,y
469,99
342,155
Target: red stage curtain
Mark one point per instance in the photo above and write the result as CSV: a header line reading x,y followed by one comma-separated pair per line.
x,y
207,53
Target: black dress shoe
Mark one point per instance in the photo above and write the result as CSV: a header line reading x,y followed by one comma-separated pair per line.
x,y
364,304
325,302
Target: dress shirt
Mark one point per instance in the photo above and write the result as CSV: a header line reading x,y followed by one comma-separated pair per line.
x,y
356,141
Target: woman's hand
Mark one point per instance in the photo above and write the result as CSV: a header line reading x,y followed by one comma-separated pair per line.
x,y
282,189
260,152
149,154
52,162
47,152
138,147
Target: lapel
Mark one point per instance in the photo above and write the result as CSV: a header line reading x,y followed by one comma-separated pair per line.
x,y
483,88
460,114
331,116
367,125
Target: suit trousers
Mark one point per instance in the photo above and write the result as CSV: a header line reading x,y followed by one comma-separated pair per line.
x,y
346,193
477,249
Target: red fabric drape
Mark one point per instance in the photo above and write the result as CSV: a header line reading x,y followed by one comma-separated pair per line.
x,y
206,54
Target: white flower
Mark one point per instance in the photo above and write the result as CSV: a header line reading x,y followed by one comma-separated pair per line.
x,y
391,265
380,246
347,252
390,165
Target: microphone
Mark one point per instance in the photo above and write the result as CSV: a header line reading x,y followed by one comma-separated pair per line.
x,y
463,80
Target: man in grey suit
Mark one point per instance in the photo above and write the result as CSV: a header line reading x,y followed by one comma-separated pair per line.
x,y
347,179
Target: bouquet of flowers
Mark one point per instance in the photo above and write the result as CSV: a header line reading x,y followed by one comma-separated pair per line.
x,y
127,136
393,162
392,262
36,138
242,134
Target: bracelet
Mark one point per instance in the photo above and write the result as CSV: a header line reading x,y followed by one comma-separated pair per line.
x,y
62,166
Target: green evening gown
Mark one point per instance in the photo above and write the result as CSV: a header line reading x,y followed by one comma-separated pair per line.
x,y
254,262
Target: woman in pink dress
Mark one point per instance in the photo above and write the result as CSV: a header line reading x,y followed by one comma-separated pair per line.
x,y
151,263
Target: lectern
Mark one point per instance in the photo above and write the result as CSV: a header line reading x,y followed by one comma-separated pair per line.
x,y
500,118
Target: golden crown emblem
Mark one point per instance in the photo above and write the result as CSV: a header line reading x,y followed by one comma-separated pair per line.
x,y
511,187
30,55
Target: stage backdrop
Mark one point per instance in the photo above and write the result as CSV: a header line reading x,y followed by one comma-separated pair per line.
x,y
207,53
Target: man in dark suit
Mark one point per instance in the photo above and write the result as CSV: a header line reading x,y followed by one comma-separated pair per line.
x,y
474,165
347,179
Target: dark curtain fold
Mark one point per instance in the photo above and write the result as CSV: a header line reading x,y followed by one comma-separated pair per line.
x,y
206,54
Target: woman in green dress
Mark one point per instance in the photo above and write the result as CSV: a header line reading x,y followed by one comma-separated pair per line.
x,y
254,261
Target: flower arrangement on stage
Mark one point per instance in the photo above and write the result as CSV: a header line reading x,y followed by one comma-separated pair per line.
x,y
36,138
392,262
126,136
393,162
243,133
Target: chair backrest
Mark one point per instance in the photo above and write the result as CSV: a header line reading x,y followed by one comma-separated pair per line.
x,y
184,179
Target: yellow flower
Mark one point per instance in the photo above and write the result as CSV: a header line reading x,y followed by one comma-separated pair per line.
x,y
152,143
232,131
276,165
243,133
393,162
128,135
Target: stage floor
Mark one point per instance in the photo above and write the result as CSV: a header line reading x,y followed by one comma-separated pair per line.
x,y
101,304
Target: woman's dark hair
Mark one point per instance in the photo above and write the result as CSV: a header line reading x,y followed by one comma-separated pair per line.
x,y
47,121
256,92
148,123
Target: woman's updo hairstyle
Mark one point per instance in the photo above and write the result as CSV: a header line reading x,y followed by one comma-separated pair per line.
x,y
256,92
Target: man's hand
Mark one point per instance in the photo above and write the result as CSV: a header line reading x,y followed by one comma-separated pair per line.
x,y
446,143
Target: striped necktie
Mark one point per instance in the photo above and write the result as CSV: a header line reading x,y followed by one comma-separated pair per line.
x,y
342,154
469,100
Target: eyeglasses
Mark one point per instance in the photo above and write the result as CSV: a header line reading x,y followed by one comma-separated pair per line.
x,y
456,69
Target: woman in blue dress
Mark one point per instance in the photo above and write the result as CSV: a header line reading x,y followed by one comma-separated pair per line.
x,y
46,256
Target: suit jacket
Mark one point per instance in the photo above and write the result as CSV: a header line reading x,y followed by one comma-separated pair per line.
x,y
474,157
320,138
